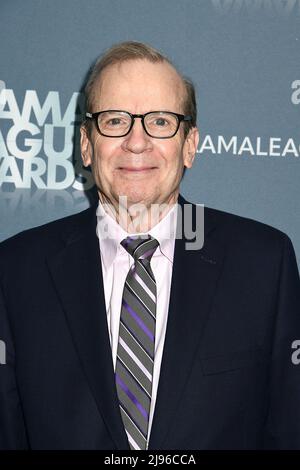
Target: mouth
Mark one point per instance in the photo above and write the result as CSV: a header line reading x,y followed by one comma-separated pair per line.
x,y
141,169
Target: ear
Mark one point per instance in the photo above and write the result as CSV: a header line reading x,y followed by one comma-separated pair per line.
x,y
85,145
190,147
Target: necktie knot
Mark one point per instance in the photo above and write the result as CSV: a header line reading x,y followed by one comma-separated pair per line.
x,y
140,247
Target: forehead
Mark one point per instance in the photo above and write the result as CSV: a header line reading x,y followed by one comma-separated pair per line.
x,y
139,86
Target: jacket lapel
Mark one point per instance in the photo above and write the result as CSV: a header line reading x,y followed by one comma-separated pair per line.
x,y
77,275
194,278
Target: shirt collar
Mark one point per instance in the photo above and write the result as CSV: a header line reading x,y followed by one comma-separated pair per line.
x,y
110,234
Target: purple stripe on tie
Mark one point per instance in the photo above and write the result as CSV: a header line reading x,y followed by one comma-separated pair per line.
x,y
137,340
127,241
131,417
147,253
138,320
132,397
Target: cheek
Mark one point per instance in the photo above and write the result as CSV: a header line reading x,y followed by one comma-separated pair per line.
x,y
172,154
105,154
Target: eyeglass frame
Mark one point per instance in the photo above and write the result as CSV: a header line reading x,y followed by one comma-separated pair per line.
x,y
94,117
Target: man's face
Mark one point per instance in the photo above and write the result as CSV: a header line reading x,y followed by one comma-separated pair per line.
x,y
145,169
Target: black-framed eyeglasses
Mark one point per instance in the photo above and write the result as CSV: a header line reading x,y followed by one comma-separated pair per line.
x,y
157,124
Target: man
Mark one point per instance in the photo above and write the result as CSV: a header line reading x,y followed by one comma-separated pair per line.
x,y
120,337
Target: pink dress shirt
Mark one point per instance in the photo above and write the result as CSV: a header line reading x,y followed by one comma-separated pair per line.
x,y
116,263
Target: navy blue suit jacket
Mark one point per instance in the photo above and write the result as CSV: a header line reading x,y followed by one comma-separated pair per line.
x,y
227,377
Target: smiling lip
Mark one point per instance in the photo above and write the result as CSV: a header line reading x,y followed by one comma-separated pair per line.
x,y
143,168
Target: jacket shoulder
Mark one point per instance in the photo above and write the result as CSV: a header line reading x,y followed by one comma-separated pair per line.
x,y
47,235
235,227
249,236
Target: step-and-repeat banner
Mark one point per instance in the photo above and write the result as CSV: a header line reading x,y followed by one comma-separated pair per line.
x,y
243,56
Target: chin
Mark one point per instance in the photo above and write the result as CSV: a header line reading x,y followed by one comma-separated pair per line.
x,y
136,196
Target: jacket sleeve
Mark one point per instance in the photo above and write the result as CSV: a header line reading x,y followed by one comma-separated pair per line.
x,y
12,426
282,430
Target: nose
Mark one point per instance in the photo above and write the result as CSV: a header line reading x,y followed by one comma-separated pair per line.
x,y
137,141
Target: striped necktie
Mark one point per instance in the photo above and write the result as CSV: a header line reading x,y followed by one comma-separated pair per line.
x,y
135,353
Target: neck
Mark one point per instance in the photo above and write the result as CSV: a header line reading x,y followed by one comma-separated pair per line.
x,y
137,217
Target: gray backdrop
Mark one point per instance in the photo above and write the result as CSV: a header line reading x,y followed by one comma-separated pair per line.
x,y
243,56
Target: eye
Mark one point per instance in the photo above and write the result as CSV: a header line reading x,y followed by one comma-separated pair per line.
x,y
161,122
114,121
